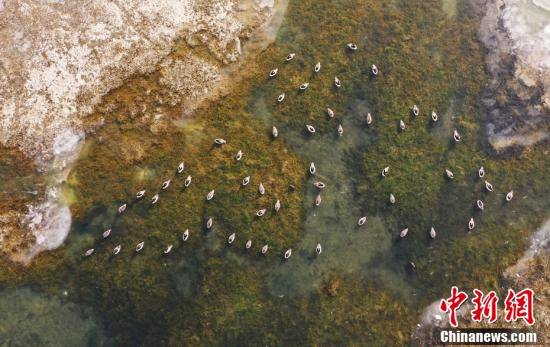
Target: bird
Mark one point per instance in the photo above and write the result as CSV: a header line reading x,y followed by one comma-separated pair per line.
x,y
248,244
117,249
318,200
261,189
154,199
304,86
140,194
352,46
432,233
168,249
471,224
312,168
181,167
106,233
210,195
404,232
340,130
277,205
337,82
488,186
290,56
264,249
415,110
281,97
310,129
479,205
374,70
318,248
273,72
368,119
220,141
246,180
89,252
239,155
122,208
187,181
449,174
231,238
317,67
392,199
481,172
401,125
456,136
139,246
274,131
261,212
185,235
330,112
385,171
209,223
509,196
362,221
165,184
288,253
319,185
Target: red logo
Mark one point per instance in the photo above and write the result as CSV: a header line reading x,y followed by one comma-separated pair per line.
x,y
519,305
453,303
485,306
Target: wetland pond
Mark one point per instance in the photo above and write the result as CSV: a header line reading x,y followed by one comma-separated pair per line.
x,y
361,290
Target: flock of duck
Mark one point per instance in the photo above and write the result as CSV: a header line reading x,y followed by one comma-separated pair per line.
x,y
368,119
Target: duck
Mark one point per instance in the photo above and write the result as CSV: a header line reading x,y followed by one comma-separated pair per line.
x,y
413,265
340,130
374,70
318,200
318,248
246,180
310,129
456,135
248,244
290,56
319,185
432,233
488,186
352,46
89,252
117,249
209,223
404,232
337,82
261,212
435,117
231,238
273,72
277,205
330,112
220,141
304,86
264,249
261,189
281,97
181,167
509,196
154,199
368,118
385,171
362,220
139,246
122,208
401,125
449,174
392,199
479,205
471,224
165,184
168,249
185,235
416,110
239,155
210,195
317,67
187,181
481,172
288,253
106,233
140,194
274,132
312,168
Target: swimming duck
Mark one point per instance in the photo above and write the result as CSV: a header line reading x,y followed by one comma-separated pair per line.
x,y
165,184
432,233
288,253
168,249
319,185
340,130
368,118
239,155
318,200
273,72
330,112
304,86
248,244
264,249
210,195
246,180
310,129
261,189
435,117
337,82
277,206
362,221
413,265
401,125
415,110
312,168
261,212
509,196
374,70
140,194
117,249
187,181
231,238
290,56
385,171
181,167
404,232
139,246
185,235
392,199
352,46
481,172
154,199
471,224
122,208
89,252
456,135
274,131
281,97
479,204
106,233
209,223
488,186
317,67
220,141
318,249
449,174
